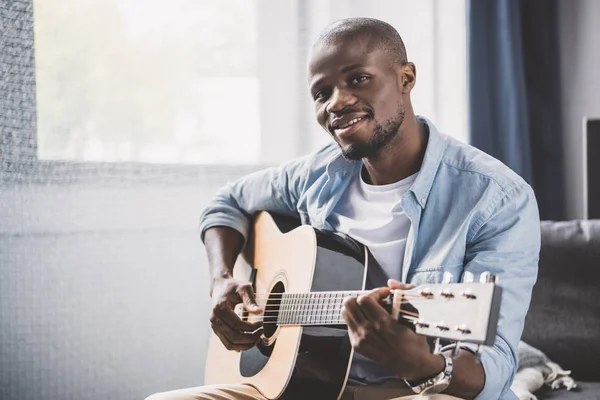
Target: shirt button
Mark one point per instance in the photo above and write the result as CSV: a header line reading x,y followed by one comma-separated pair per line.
x,y
422,199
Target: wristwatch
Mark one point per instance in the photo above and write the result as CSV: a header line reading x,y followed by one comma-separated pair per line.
x,y
438,383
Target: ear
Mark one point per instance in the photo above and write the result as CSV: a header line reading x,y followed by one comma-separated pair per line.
x,y
407,77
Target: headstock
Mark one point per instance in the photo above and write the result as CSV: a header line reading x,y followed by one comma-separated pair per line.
x,y
460,312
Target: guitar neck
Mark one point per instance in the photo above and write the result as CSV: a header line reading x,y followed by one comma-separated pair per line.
x,y
316,308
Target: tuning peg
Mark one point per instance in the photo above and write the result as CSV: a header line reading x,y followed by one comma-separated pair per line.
x,y
487,277
478,353
437,347
456,350
468,277
448,277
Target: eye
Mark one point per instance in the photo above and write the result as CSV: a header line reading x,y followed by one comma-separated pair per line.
x,y
359,79
321,94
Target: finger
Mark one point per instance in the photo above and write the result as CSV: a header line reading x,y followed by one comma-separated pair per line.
x,y
232,345
352,314
394,284
235,336
247,295
371,307
379,294
226,314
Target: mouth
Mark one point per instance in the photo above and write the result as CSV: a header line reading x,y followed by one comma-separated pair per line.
x,y
349,127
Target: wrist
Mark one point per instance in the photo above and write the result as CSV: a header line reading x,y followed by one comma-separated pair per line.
x,y
219,279
427,369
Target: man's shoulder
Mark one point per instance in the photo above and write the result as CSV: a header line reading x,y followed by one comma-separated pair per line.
x,y
468,162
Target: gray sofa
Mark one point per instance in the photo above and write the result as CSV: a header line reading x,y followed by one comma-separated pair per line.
x,y
564,317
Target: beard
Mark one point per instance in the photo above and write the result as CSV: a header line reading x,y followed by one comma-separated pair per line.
x,y
383,134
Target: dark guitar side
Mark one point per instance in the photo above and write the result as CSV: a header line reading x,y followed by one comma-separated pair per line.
x,y
325,353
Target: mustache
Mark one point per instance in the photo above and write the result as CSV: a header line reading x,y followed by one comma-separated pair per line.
x,y
349,110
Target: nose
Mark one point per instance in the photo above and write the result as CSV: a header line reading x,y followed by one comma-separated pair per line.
x,y
339,100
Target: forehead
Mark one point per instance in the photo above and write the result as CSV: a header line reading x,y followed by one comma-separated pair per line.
x,y
330,59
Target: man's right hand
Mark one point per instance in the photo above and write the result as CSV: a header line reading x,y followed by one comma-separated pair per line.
x,y
235,333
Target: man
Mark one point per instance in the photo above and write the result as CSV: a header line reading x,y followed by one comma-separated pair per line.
x,y
423,203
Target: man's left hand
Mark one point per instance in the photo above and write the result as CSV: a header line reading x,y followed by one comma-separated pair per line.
x,y
376,335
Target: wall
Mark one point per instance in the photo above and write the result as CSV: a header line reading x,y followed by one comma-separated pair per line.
x,y
580,62
103,286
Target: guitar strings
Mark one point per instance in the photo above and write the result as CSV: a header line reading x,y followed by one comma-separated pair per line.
x,y
318,306
300,320
318,295
307,315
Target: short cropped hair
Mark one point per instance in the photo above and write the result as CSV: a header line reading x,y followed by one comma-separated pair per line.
x,y
380,35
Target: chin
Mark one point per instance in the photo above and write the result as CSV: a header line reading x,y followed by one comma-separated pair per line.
x,y
353,152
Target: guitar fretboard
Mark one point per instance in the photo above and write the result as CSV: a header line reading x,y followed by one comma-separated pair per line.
x,y
317,308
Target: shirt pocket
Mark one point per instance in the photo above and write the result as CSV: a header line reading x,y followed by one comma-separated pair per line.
x,y
434,274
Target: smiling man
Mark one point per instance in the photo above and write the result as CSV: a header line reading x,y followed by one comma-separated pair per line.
x,y
422,202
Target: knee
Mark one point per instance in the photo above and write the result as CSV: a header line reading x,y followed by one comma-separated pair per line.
x,y
173,395
159,396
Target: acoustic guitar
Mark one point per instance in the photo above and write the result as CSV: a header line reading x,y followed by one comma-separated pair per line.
x,y
301,275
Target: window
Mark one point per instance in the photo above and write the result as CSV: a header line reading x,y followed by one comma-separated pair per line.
x,y
215,82
147,80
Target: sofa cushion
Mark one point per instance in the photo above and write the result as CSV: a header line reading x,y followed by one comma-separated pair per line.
x,y
564,316
584,391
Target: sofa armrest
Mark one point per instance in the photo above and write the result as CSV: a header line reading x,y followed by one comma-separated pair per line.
x,y
564,316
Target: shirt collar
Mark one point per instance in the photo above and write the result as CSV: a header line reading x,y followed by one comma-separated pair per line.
x,y
431,162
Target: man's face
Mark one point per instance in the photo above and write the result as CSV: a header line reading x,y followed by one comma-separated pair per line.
x,y
357,96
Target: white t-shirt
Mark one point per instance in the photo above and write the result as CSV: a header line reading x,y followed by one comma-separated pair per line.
x,y
373,215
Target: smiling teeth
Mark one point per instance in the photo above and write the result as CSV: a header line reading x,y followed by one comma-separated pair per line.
x,y
351,122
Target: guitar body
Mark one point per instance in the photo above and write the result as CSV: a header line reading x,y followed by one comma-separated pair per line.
x,y
294,361
301,277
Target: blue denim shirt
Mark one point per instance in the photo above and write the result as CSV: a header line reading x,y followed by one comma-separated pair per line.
x,y
468,212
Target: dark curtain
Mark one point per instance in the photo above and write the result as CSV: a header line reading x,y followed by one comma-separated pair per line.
x,y
514,92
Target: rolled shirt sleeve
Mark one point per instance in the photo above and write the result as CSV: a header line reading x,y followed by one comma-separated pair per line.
x,y
275,189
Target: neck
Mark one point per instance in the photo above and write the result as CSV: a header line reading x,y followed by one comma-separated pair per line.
x,y
316,308
403,156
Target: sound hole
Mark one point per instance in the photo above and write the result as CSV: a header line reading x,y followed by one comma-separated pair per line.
x,y
272,309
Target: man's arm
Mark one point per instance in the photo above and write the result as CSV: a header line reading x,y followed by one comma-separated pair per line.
x,y
223,244
507,244
224,227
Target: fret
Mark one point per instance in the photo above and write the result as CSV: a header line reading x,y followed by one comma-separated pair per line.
x,y
311,308
338,309
300,311
309,304
284,307
325,308
296,310
292,313
320,308
332,298
315,311
280,312
290,308
304,309
334,302
315,308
